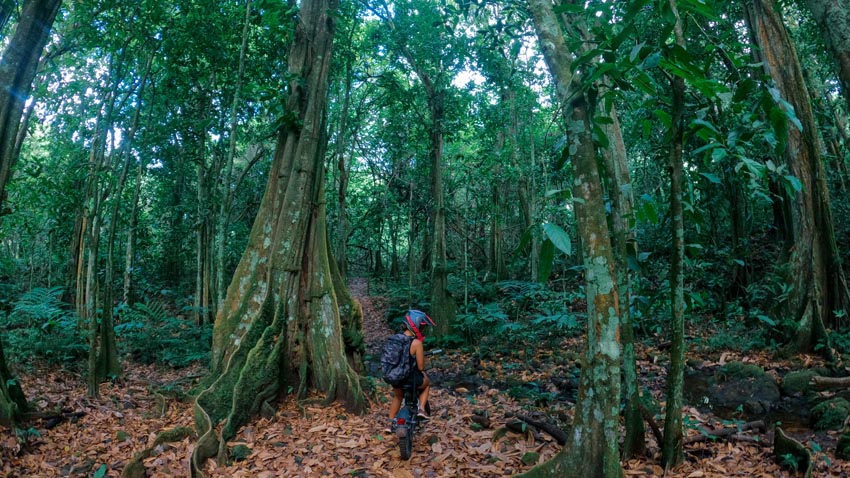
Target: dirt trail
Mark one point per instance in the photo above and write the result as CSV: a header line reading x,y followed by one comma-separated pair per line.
x,y
375,328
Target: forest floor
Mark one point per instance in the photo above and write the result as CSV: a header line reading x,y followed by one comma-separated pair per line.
x,y
97,437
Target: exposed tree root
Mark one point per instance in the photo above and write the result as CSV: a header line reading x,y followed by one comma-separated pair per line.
x,y
136,469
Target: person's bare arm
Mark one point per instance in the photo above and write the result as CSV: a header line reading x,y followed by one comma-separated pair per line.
x,y
419,351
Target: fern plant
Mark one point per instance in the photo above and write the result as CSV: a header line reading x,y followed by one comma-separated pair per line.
x,y
43,307
150,334
44,326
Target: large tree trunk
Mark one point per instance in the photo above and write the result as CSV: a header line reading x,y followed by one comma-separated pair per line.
x,y
833,18
593,450
280,323
818,285
17,70
671,448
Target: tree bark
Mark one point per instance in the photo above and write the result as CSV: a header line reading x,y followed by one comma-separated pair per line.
x,y
624,243
593,450
814,274
17,70
280,324
671,449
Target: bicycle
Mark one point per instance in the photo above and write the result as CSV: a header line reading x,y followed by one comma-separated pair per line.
x,y
407,420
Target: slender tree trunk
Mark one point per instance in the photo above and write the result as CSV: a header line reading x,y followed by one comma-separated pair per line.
x,y
129,252
593,449
343,223
280,324
671,448
624,243
89,247
818,285
107,354
223,220
442,303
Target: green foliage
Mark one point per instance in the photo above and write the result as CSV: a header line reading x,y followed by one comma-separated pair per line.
x,y
149,334
831,414
480,320
42,326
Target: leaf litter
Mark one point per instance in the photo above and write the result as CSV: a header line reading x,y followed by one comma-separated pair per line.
x,y
99,436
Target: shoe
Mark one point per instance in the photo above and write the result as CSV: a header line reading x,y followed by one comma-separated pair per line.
x,y
388,430
422,415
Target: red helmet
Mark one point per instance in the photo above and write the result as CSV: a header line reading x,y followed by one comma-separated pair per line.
x,y
416,320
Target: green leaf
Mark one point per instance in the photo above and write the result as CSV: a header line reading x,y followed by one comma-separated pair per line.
x,y
780,129
600,136
636,51
708,125
546,261
559,237
664,117
652,60
559,193
100,473
711,177
647,210
718,154
795,182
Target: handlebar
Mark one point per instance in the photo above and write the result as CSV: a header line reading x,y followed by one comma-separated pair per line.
x,y
434,352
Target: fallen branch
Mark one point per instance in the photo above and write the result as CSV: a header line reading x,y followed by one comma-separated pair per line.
x,y
518,426
830,383
706,434
559,435
647,416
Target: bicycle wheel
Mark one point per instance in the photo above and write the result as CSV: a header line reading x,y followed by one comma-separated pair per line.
x,y
405,443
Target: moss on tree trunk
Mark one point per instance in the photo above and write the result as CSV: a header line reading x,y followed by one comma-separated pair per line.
x,y
279,329
592,449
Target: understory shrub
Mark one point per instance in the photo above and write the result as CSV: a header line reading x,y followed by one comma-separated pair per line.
x,y
41,326
150,334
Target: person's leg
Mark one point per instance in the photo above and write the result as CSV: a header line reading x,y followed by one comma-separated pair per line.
x,y
423,395
395,404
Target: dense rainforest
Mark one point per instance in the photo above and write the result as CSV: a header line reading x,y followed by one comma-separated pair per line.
x,y
628,220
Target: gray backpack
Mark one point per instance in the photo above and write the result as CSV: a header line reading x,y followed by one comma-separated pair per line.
x,y
396,361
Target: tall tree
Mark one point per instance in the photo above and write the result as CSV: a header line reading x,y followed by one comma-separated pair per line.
x,y
814,272
593,449
431,56
280,324
18,67
671,449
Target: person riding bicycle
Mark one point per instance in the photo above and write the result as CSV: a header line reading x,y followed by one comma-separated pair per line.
x,y
413,324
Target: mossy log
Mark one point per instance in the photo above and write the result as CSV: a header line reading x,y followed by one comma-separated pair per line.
x,y
830,383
